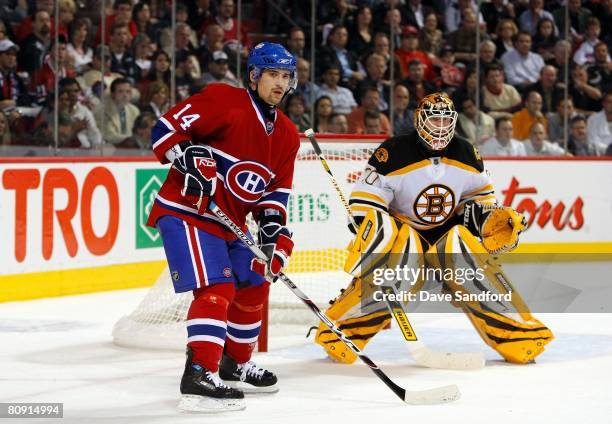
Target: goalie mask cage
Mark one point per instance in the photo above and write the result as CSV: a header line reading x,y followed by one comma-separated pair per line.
x,y
320,231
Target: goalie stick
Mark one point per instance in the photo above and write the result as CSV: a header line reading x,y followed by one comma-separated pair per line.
x,y
423,355
413,397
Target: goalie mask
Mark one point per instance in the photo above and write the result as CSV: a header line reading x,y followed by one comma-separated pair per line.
x,y
435,119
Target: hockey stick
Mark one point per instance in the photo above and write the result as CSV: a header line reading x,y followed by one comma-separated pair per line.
x,y
423,355
416,397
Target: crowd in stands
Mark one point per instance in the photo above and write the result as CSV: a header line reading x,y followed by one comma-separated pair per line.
x,y
374,60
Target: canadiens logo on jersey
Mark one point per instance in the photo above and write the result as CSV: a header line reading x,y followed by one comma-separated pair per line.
x,y
248,180
434,204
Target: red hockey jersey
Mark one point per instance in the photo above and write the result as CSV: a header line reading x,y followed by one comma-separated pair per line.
x,y
255,157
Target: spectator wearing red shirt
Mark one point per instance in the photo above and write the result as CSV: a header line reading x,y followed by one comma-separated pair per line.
x,y
122,16
224,18
43,81
409,51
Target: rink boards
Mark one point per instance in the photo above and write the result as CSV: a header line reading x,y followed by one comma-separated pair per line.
x,y
77,225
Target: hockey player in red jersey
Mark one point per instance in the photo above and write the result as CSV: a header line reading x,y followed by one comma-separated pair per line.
x,y
234,146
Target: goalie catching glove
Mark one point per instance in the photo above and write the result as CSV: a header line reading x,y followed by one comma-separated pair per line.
x,y
499,227
275,241
200,169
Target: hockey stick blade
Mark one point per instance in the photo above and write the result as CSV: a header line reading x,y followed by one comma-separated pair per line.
x,y
415,397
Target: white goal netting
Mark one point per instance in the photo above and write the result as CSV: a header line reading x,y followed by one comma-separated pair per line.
x,y
318,221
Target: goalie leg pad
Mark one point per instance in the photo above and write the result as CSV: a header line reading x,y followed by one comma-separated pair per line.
x,y
511,330
359,328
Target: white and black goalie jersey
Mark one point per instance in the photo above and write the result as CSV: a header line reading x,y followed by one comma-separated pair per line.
x,y
426,189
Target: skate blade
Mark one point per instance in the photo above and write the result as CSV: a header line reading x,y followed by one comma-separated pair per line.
x,y
209,405
249,389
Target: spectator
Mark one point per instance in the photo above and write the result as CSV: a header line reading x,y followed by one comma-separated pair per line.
x,y
529,18
562,54
15,100
25,27
141,16
506,32
499,98
472,121
78,48
84,124
141,133
67,10
495,11
430,37
156,100
296,43
599,125
122,60
523,120
416,14
199,12
521,65
468,90
338,124
409,51
122,15
450,76
556,121
487,54
35,45
549,89
600,72
93,76
342,98
578,17
455,13
361,38
184,40
119,113
393,24
416,83
373,122
308,89
579,143
323,110
189,80
237,43
537,145
159,71
586,52
141,47
43,81
335,53
334,12
381,47
370,99
212,42
545,39
503,144
295,110
218,71
375,70
586,97
462,40
403,116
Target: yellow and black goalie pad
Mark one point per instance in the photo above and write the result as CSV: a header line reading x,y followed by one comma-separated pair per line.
x,y
506,326
359,328
501,229
378,236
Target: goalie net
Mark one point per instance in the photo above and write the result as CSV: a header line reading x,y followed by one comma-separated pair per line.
x,y
318,221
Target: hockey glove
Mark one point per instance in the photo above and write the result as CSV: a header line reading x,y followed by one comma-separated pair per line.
x,y
200,171
499,227
275,241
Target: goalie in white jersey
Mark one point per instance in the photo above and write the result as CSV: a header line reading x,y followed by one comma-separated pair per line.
x,y
428,193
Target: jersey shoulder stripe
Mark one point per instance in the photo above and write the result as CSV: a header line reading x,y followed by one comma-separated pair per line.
x,y
397,153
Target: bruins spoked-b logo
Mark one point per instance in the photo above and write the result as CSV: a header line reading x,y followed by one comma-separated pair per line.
x,y
434,204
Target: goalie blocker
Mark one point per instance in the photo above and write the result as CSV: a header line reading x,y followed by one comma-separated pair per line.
x,y
383,241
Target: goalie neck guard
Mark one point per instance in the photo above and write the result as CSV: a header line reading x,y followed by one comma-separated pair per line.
x,y
434,120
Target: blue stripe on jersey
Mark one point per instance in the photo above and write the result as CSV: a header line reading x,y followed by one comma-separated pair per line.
x,y
275,196
205,330
243,334
158,131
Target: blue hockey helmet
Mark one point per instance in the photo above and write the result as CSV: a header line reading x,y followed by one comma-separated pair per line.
x,y
272,56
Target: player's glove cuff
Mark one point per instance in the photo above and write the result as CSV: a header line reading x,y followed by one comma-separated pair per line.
x,y
200,169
